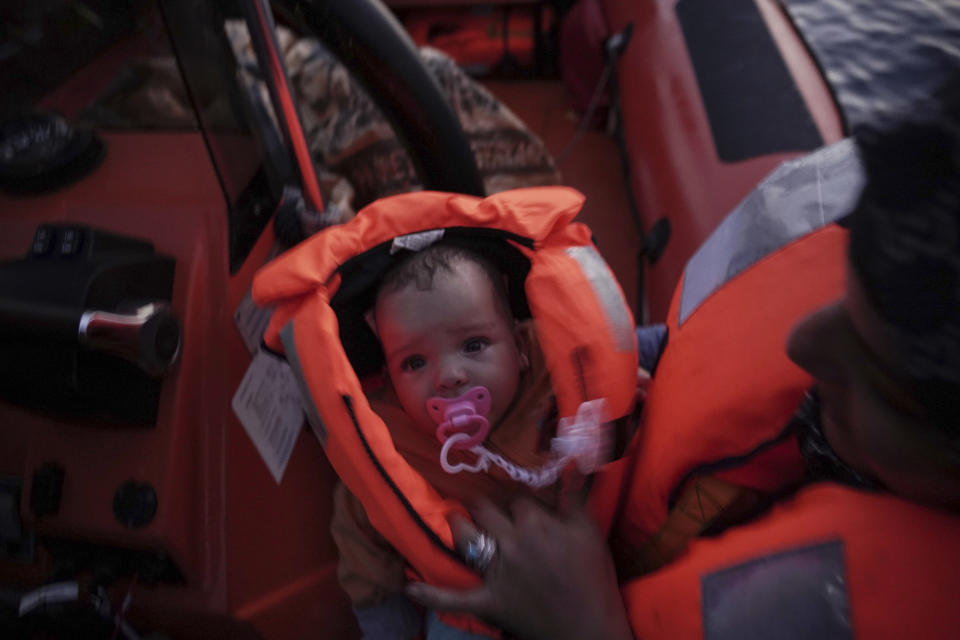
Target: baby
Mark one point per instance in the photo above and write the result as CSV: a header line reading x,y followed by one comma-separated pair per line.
x,y
443,319
445,326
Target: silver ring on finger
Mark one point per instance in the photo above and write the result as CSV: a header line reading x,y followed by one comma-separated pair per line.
x,y
480,551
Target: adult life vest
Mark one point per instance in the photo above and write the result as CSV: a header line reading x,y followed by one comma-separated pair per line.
x,y
831,561
724,389
321,288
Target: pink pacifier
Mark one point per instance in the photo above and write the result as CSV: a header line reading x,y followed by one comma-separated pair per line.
x,y
466,414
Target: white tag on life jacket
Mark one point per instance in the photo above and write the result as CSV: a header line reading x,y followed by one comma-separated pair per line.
x,y
269,407
416,241
251,321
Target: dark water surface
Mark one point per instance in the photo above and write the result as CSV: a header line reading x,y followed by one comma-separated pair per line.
x,y
881,57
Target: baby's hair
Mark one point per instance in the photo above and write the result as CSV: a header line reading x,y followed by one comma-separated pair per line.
x,y
421,267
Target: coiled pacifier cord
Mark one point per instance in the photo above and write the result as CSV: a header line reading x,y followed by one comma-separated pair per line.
x,y
585,438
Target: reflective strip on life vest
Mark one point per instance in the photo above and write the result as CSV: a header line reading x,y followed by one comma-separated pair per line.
x,y
799,197
608,294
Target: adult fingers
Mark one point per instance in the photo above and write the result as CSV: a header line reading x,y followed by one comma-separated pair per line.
x,y
643,381
492,519
643,377
527,512
574,492
475,601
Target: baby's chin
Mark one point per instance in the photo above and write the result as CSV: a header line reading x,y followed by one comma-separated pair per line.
x,y
427,426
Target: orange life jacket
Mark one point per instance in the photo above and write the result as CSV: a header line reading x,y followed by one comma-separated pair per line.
x,y
829,562
832,562
581,319
724,389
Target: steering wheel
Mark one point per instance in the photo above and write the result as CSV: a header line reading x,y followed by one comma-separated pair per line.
x,y
376,50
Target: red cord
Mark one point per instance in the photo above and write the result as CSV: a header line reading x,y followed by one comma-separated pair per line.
x,y
311,187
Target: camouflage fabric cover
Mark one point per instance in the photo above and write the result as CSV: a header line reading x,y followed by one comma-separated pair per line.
x,y
357,155
348,135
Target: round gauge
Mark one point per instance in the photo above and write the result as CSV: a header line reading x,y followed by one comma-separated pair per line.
x,y
41,151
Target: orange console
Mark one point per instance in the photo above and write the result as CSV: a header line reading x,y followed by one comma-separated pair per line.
x,y
172,505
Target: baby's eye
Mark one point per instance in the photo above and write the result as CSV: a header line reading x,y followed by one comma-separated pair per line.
x,y
413,363
475,345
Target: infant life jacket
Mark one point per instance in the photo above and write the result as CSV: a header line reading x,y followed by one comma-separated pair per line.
x,y
321,288
724,390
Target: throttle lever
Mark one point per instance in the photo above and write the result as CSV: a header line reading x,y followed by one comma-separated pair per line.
x,y
149,337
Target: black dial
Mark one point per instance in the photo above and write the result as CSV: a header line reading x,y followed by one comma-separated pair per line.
x,y
40,151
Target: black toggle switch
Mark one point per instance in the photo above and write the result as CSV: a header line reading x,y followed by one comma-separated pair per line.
x,y
42,241
70,242
135,504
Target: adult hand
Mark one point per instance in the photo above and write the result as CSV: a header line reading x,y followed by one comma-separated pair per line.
x,y
552,576
643,381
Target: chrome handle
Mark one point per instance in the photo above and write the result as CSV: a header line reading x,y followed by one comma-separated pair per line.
x,y
150,337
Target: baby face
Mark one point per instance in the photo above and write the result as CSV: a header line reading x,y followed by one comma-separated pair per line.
x,y
447,339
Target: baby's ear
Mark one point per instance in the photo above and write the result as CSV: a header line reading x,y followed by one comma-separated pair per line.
x,y
371,321
521,333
